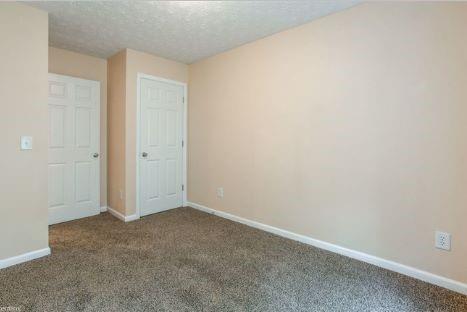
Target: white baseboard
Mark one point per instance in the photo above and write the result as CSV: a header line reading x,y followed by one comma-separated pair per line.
x,y
120,216
132,217
103,208
4,263
380,262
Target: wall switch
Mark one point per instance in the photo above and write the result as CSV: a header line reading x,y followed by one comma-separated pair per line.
x,y
220,192
442,240
26,143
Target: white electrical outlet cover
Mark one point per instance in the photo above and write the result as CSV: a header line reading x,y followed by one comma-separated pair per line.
x,y
442,240
220,192
26,143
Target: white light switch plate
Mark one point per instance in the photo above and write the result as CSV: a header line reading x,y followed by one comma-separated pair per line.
x,y
26,143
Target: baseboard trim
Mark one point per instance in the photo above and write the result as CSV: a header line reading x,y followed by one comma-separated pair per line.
x,y
380,262
132,217
122,217
4,263
103,208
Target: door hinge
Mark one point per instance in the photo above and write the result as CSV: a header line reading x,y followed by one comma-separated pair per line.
x,y
183,99
183,143
183,187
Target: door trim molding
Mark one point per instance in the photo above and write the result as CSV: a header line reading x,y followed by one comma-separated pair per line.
x,y
425,276
184,133
28,256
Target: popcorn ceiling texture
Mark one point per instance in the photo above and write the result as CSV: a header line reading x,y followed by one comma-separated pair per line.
x,y
185,31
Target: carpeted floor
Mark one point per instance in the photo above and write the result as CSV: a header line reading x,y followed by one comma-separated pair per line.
x,y
186,260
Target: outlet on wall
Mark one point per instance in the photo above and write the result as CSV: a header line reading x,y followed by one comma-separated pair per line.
x,y
26,143
220,192
442,240
121,194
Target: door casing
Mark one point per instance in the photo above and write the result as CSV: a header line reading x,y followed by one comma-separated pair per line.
x,y
138,138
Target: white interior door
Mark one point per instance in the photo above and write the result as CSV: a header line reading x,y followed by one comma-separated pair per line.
x,y
73,148
160,141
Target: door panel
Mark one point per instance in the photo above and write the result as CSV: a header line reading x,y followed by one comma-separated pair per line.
x,y
83,93
160,172
153,179
172,128
73,141
57,89
83,126
57,126
56,185
171,176
83,181
153,127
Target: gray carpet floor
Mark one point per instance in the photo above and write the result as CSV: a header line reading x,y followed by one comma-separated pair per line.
x,y
186,260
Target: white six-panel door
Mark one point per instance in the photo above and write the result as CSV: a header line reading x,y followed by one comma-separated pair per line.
x,y
160,141
73,168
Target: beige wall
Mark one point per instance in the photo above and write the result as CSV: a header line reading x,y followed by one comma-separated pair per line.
x,y
139,62
23,98
74,64
123,69
116,66
351,129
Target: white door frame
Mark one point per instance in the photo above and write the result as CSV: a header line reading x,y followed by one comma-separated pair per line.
x,y
184,134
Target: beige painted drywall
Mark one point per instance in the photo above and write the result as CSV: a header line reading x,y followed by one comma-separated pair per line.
x,y
74,64
123,69
140,62
351,129
116,68
23,99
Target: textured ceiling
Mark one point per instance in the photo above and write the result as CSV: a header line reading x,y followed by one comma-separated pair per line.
x,y
185,31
